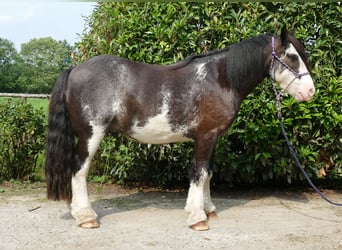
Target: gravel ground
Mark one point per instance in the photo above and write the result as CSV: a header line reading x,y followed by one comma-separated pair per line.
x,y
153,219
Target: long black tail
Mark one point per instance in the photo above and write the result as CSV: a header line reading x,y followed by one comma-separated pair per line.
x,y
60,148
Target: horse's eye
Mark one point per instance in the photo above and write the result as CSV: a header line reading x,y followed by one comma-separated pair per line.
x,y
292,57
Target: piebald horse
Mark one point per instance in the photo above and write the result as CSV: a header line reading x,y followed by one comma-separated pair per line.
x,y
196,99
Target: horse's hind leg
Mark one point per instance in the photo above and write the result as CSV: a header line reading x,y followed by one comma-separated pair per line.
x,y
80,206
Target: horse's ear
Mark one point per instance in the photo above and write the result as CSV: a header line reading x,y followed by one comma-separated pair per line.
x,y
284,35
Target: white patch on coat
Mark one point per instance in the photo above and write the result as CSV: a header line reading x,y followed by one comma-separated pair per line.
x,y
201,72
116,107
98,133
86,110
301,89
157,129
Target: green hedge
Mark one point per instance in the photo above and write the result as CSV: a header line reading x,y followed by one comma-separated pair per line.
x,y
253,150
22,139
126,161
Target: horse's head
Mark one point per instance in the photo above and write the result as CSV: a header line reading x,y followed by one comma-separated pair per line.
x,y
290,67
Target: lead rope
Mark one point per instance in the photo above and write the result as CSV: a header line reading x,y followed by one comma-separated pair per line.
x,y
280,118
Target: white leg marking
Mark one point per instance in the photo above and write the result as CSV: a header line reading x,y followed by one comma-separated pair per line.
x,y
80,206
195,200
208,205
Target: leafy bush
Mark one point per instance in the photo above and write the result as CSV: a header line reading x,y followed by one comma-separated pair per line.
x,y
128,161
22,139
253,150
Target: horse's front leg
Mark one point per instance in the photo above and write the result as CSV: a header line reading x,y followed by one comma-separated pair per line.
x,y
80,205
209,207
199,203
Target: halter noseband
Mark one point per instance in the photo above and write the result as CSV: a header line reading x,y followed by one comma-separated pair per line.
x,y
296,74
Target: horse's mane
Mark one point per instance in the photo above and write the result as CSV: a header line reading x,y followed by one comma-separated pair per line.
x,y
246,60
191,58
238,52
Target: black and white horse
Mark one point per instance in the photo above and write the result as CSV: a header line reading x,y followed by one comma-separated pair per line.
x,y
196,100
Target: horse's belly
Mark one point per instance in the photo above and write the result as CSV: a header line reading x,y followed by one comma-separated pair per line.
x,y
157,130
158,137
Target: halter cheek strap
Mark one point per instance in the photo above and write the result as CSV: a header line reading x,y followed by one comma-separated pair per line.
x,y
295,73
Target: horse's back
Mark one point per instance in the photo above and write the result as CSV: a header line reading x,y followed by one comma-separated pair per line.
x,y
116,92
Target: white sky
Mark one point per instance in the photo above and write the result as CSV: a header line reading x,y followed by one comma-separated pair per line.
x,y
21,21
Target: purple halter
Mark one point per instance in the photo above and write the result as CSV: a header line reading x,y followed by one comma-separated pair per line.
x,y
296,74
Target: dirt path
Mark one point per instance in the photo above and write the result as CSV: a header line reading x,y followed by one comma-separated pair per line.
x,y
156,220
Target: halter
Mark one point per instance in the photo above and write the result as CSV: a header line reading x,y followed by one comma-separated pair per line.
x,y
280,118
295,73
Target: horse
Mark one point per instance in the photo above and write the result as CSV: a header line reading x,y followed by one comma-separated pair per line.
x,y
195,99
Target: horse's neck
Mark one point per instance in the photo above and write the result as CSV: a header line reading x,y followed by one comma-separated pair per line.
x,y
247,88
245,73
